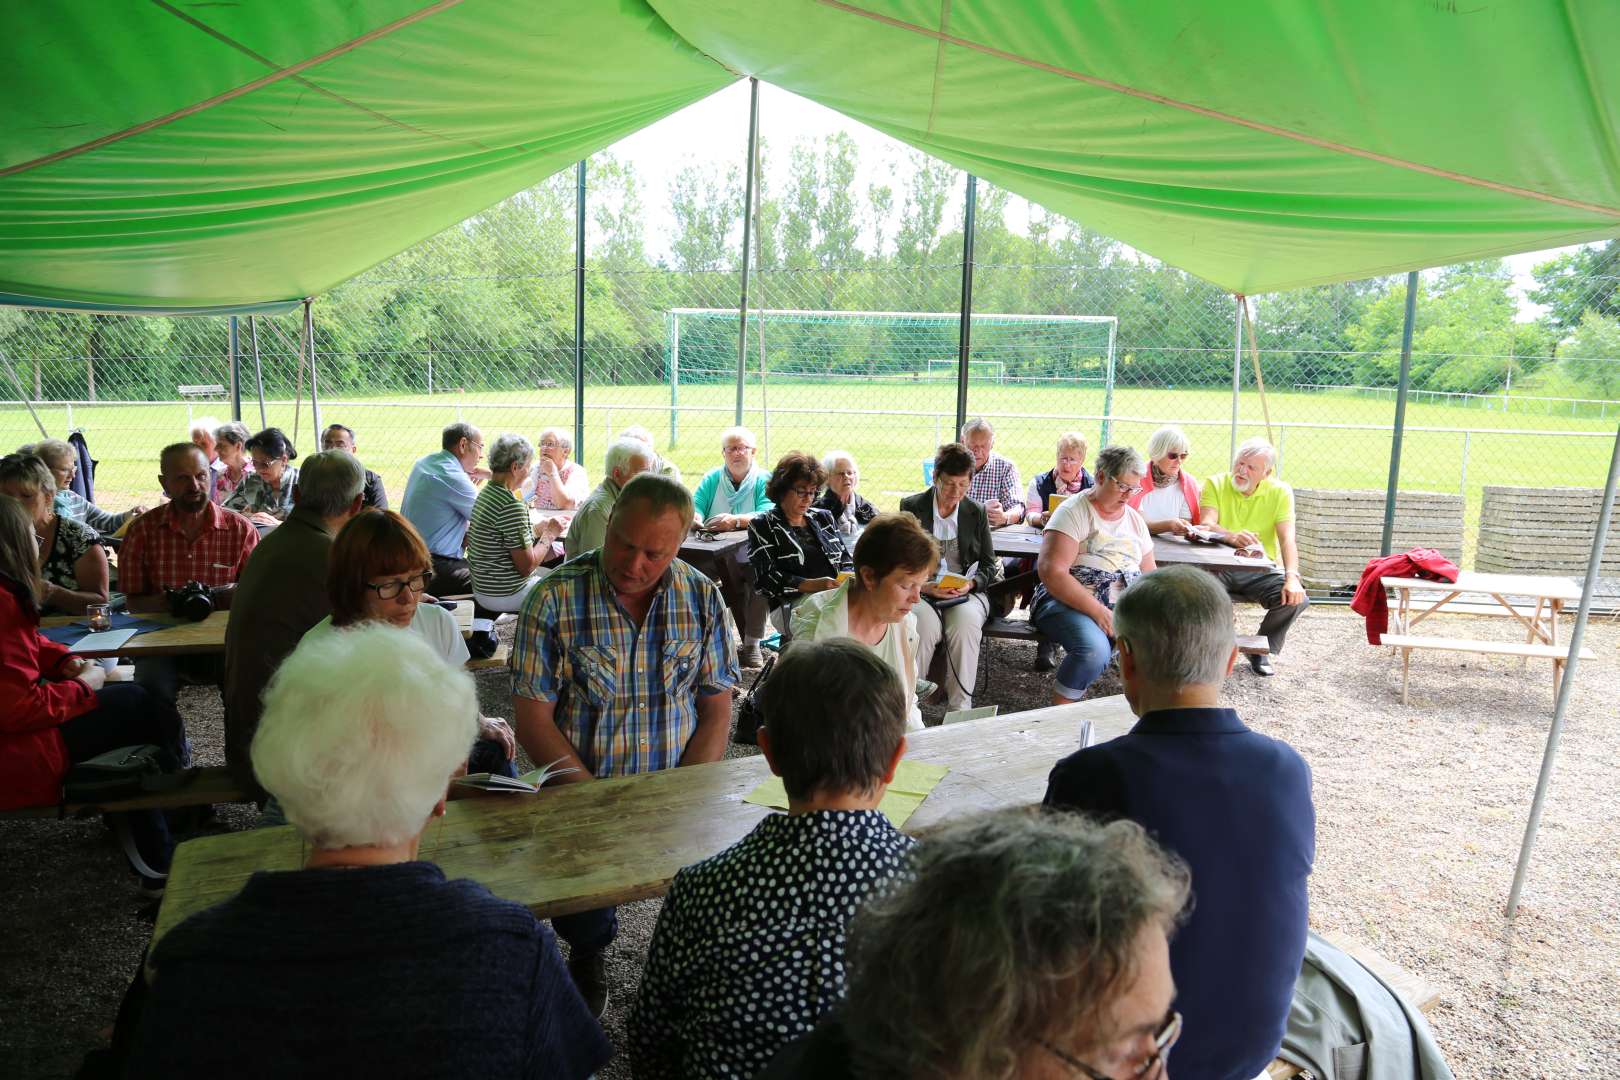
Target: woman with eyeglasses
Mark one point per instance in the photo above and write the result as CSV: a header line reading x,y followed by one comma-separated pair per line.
x,y
235,463
1094,545
794,548
1067,476
1021,944
555,483
265,496
378,571
1168,498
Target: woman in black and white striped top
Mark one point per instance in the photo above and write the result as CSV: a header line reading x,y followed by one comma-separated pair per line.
x,y
502,551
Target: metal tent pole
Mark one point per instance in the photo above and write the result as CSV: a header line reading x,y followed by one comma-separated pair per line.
x,y
314,381
747,217
258,371
234,338
1237,373
1593,566
579,312
1400,415
964,346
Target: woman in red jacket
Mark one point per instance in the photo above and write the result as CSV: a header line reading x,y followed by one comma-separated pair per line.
x,y
55,708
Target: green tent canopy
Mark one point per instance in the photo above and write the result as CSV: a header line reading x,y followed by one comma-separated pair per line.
x,y
213,157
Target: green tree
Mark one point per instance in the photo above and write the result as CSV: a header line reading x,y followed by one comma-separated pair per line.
x,y
705,201
1592,353
1586,279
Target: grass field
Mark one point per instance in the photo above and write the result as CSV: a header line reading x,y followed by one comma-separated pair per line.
x,y
1336,439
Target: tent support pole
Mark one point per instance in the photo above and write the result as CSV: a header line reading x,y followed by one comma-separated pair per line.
x,y
235,344
1401,387
964,345
1254,358
747,219
1593,567
579,310
1237,373
314,381
258,370
22,395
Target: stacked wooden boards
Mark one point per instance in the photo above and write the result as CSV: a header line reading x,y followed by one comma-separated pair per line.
x,y
1339,530
1542,530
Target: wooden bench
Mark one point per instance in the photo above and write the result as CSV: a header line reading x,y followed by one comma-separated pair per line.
x,y
488,663
1253,645
1558,654
212,784
1409,987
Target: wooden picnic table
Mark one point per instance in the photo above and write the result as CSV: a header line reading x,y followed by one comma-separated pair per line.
x,y
181,637
584,846
1024,542
1543,599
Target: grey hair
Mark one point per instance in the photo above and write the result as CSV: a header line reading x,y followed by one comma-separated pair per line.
x,y
234,432
328,482
204,425
622,451
1072,440
1166,439
1177,624
660,493
509,452
978,423
452,435
362,728
564,440
51,451
739,433
638,433
833,457
1256,448
1012,924
1115,461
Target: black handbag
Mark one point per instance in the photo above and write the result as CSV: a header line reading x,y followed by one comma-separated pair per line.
x,y
750,715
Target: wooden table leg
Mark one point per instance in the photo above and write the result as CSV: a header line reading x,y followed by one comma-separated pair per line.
x,y
1406,672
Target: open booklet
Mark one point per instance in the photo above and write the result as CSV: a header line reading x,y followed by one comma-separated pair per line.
x,y
529,782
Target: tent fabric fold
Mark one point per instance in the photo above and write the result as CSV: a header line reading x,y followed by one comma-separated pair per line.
x,y
214,157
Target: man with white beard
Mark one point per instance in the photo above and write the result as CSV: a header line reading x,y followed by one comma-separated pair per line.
x,y
1250,511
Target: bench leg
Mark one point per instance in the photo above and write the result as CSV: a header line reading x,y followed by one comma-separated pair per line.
x,y
1406,671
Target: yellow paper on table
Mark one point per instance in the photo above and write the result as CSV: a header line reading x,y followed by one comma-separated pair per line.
x,y
913,780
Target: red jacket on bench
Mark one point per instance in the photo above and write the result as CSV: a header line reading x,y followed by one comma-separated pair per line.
x,y
1371,600
33,758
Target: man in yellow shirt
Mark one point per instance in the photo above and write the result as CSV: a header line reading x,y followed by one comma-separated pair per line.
x,y
1249,510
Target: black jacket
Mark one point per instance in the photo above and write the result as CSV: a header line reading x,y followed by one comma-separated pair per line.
x,y
972,535
778,562
861,510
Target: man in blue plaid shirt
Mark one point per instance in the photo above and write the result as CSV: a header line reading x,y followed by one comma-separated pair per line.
x,y
995,479
621,665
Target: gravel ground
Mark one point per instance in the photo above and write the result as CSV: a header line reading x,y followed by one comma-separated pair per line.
x,y
1420,811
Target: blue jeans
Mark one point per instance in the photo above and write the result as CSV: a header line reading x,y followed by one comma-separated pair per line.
x,y
1088,648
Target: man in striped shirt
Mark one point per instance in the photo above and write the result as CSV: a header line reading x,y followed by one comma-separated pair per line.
x,y
621,665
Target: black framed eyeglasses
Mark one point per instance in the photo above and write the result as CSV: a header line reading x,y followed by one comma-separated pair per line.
x,y
390,589
1149,1067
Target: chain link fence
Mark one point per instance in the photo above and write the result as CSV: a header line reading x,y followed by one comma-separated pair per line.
x,y
852,342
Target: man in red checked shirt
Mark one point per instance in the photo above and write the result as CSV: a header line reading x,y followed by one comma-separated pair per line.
x,y
186,539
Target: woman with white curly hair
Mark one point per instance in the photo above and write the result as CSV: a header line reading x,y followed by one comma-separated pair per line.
x,y
362,732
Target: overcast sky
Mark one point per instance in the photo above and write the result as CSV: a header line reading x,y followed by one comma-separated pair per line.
x,y
716,129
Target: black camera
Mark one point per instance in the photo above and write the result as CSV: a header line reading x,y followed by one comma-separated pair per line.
x,y
193,600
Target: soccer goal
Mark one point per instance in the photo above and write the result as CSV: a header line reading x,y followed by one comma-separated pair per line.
x,y
829,349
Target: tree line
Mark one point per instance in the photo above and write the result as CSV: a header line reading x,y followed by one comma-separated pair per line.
x,y
489,303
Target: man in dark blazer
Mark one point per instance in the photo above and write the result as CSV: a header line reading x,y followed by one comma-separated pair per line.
x,y
962,529
1235,804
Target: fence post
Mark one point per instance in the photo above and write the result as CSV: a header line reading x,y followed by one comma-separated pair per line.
x,y
1237,372
1462,487
1400,414
672,334
234,344
579,314
314,381
747,219
965,344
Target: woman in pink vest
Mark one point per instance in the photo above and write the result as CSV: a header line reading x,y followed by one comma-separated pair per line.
x,y
1168,497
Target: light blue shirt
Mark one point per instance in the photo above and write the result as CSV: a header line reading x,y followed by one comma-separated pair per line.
x,y
439,499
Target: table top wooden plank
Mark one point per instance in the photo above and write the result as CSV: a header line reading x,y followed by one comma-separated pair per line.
x,y
722,544
1024,542
584,846
1472,581
179,637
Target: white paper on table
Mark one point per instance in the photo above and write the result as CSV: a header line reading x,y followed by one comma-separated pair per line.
x,y
106,641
